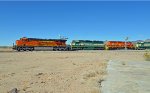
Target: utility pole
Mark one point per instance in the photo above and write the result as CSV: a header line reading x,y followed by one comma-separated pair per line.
x,y
126,42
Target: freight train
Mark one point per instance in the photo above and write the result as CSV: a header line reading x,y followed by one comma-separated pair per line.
x,y
30,44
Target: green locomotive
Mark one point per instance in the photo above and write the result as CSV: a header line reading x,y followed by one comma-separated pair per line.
x,y
142,45
87,45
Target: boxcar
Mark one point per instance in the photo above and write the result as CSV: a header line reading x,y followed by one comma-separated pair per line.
x,y
118,45
40,44
87,45
142,45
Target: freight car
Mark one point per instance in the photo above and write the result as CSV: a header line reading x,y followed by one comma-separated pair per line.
x,y
31,44
87,45
118,45
142,45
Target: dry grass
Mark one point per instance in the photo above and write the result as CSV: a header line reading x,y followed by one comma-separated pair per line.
x,y
147,56
93,73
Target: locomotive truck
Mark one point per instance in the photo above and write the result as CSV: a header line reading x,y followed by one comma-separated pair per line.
x,y
31,44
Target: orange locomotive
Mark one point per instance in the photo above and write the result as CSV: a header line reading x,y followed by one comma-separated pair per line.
x,y
40,44
118,45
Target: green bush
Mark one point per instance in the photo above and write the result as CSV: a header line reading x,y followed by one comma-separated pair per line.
x,y
147,56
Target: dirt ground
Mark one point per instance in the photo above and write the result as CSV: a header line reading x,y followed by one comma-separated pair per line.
x,y
58,72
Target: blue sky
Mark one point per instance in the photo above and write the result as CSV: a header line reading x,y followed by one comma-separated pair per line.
x,y
77,20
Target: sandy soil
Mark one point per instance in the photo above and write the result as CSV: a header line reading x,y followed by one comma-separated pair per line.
x,y
8,49
58,72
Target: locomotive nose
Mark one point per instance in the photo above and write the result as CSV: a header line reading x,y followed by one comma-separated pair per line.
x,y
17,42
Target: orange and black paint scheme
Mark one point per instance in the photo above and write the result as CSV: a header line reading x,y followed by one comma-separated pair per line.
x,y
31,44
118,45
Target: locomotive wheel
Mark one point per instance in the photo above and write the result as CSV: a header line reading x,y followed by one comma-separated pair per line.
x,y
54,49
62,49
31,49
18,49
24,49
